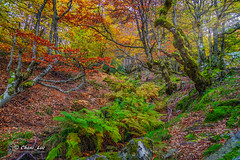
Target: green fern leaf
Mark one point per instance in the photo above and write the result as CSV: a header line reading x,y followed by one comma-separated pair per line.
x,y
55,151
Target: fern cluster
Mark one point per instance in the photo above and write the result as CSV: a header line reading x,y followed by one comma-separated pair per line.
x,y
128,88
81,131
149,91
86,130
128,116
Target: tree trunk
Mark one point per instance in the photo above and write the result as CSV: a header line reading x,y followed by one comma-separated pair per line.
x,y
170,86
182,44
201,49
15,86
215,46
210,45
222,54
176,66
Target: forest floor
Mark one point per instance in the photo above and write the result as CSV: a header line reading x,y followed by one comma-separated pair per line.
x,y
34,109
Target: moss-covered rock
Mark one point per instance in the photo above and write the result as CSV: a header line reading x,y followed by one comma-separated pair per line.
x,y
138,149
229,151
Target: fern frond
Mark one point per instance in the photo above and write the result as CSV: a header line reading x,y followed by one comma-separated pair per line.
x,y
55,151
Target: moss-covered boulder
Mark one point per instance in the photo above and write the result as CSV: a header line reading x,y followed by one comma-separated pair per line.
x,y
230,150
138,149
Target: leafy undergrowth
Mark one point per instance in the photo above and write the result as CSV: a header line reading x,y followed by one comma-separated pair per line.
x,y
102,117
129,115
207,120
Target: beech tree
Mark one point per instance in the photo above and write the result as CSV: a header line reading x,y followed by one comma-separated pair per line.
x,y
198,8
46,54
182,44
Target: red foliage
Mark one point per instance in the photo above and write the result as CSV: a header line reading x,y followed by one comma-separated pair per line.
x,y
67,57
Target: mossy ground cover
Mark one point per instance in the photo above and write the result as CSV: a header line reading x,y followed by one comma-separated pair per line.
x,y
220,101
212,149
219,107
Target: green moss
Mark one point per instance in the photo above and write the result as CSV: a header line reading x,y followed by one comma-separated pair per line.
x,y
234,120
109,155
10,80
166,7
160,21
27,84
1,97
216,138
230,102
11,90
159,135
190,137
205,100
28,135
212,149
4,147
218,113
185,103
235,152
192,92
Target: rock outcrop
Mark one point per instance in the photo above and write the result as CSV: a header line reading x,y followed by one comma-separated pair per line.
x,y
137,149
226,148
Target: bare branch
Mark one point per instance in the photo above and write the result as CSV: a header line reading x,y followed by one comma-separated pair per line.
x,y
111,38
78,76
230,31
59,89
69,7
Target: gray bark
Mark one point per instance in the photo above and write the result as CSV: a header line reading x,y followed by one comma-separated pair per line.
x,y
210,43
197,10
215,46
201,49
220,13
223,39
222,54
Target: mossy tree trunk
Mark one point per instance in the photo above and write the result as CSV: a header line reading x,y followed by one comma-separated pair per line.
x,y
182,44
170,86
